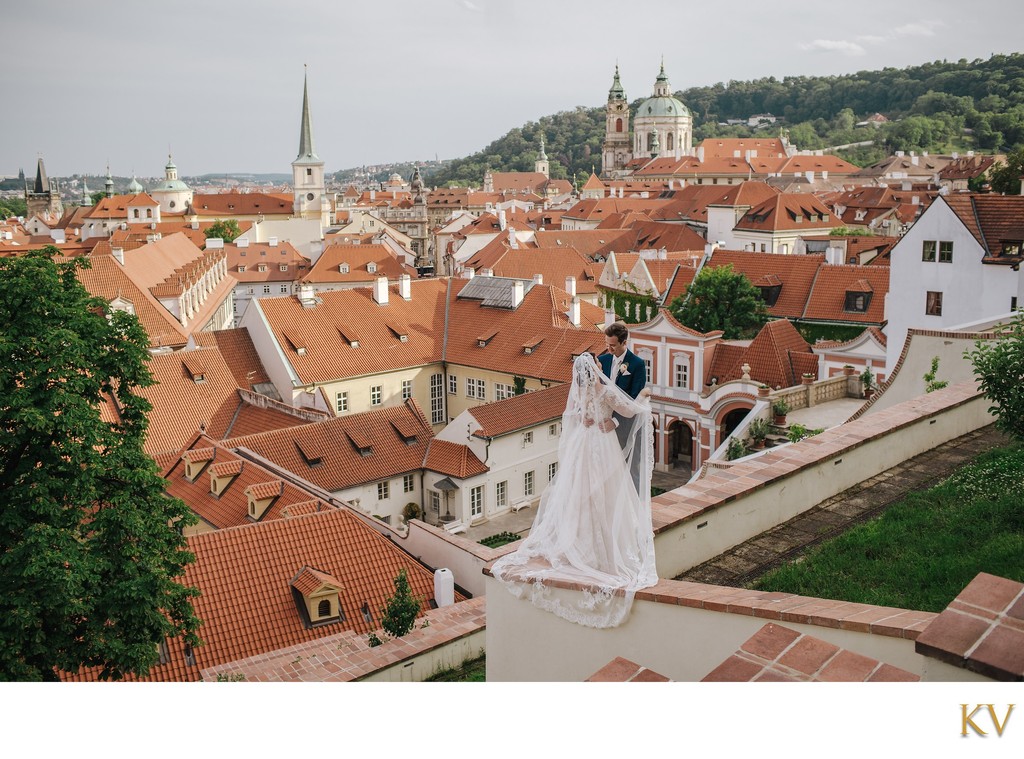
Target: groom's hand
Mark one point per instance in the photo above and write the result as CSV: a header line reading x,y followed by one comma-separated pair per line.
x,y
606,425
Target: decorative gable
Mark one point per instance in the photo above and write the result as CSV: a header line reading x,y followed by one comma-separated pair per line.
x,y
261,496
223,474
196,460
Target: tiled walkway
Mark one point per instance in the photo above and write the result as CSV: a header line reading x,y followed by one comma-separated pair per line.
x,y
741,565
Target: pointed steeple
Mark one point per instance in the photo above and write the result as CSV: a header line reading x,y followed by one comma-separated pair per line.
x,y
543,156
616,92
86,195
108,186
306,150
42,183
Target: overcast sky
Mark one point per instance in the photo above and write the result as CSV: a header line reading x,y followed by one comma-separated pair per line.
x,y
219,82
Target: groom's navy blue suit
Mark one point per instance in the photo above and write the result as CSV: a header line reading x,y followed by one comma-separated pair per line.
x,y
631,381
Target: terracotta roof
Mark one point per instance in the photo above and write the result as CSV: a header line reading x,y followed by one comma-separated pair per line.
x,y
591,243
520,411
673,237
229,204
553,264
270,257
788,211
796,273
108,279
595,209
452,459
827,299
593,183
328,454
358,258
967,167
769,147
992,219
518,180
235,346
329,356
799,164
230,507
777,356
247,605
181,404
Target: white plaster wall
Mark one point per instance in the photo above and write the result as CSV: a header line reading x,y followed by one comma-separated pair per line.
x,y
278,368
527,644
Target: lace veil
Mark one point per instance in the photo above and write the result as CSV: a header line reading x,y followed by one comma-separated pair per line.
x,y
593,524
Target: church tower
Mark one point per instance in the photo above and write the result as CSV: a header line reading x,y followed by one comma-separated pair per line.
x,y
43,199
310,192
615,151
664,116
541,164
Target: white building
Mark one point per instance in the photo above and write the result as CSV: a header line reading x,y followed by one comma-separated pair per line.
x,y
957,264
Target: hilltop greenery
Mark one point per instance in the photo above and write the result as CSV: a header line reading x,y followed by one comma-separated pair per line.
x,y
939,107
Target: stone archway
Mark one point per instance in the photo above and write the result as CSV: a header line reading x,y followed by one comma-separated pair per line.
x,y
732,420
680,445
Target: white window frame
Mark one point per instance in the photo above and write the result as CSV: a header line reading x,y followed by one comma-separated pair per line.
x,y
383,490
552,470
501,494
527,438
376,395
681,373
528,483
476,501
406,389
341,401
453,384
408,483
503,391
437,398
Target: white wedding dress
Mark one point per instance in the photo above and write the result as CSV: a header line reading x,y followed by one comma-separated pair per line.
x,y
593,525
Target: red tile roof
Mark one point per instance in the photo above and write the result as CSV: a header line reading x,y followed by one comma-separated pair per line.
x,y
796,273
595,209
358,257
452,459
992,219
270,257
553,264
788,211
827,299
229,204
770,147
592,243
521,411
235,345
328,453
244,575
777,356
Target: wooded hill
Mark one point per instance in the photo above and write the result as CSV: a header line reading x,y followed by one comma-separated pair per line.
x,y
938,107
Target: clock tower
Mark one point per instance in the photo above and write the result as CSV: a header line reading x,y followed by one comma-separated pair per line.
x,y
310,192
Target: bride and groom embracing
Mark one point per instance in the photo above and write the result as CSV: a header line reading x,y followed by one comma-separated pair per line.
x,y
593,525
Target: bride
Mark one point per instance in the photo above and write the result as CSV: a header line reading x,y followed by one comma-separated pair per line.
x,y
593,526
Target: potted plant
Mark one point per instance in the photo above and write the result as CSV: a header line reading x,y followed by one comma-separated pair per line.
x,y
758,430
735,449
867,379
848,370
779,409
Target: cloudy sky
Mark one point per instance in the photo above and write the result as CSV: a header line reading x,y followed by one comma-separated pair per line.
x,y
219,82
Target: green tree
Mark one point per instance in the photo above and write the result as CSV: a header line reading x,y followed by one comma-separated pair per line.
x,y
399,613
89,553
999,365
97,196
225,229
720,298
1006,177
12,207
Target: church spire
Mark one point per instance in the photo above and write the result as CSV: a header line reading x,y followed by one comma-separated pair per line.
x,y
616,92
306,132
543,155
42,184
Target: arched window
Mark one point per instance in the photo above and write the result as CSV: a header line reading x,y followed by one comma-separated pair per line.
x,y
618,125
135,212
323,609
670,141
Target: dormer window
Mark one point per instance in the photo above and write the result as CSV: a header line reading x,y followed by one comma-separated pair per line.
x,y
283,267
196,460
223,474
343,268
857,302
261,497
261,267
485,338
317,597
360,441
371,267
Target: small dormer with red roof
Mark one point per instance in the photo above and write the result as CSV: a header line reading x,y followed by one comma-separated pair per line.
x,y
317,597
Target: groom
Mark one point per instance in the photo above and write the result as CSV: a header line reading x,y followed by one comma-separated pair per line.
x,y
629,373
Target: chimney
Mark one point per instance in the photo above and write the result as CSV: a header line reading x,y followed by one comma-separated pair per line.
x,y
834,255
809,175
574,312
517,293
570,286
405,287
662,254
512,241
272,242
700,153
502,222
913,158
609,318
242,242
306,296
194,224
538,279
380,291
735,154
824,176
373,194
213,243
118,254
487,272
469,273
